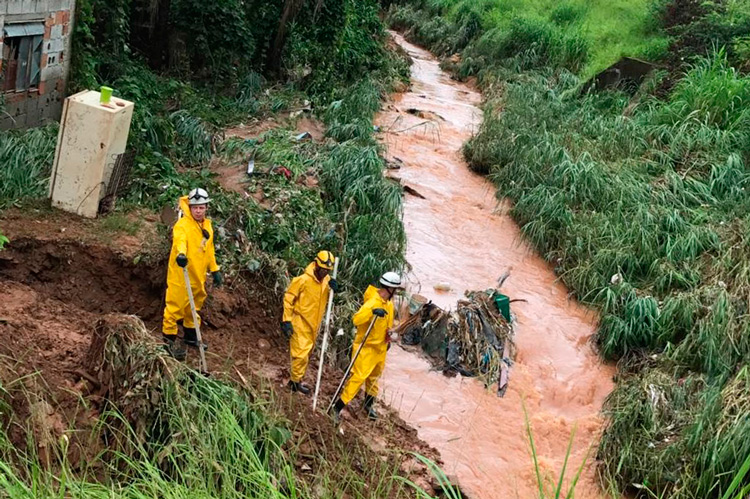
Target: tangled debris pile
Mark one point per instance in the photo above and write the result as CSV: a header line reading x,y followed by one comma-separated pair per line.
x,y
129,368
475,340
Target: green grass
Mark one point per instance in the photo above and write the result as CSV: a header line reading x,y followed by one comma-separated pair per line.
x,y
169,432
598,32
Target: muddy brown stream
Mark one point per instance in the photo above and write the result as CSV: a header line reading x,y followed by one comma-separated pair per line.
x,y
461,235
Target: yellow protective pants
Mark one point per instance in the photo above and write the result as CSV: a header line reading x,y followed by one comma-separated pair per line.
x,y
304,305
366,370
178,307
300,345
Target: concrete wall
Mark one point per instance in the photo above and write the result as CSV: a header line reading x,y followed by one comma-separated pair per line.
x,y
35,107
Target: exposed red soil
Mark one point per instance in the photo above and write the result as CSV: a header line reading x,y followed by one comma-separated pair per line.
x,y
56,284
301,122
44,344
46,224
232,176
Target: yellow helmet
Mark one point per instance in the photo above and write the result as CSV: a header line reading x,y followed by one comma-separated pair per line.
x,y
325,260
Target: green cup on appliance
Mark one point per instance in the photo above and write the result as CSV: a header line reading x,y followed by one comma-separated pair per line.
x,y
106,95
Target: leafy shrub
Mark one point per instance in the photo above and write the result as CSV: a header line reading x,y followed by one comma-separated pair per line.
x,y
218,37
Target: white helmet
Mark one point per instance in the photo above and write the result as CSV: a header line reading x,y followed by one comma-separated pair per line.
x,y
391,280
198,196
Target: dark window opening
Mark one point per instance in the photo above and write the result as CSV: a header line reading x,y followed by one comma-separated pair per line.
x,y
21,57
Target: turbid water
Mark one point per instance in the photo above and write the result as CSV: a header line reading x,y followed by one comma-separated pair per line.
x,y
459,234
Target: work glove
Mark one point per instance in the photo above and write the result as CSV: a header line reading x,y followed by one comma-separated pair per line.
x,y
218,278
287,329
181,260
334,285
380,312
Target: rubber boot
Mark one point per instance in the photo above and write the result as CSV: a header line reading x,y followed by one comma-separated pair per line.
x,y
299,387
336,411
369,407
191,338
174,348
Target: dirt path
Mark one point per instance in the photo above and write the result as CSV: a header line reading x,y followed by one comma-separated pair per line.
x,y
458,234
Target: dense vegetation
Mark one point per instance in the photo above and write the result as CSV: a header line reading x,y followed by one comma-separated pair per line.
x,y
193,68
639,201
333,55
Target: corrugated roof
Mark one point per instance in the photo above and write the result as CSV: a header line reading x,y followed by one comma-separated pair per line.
x,y
23,29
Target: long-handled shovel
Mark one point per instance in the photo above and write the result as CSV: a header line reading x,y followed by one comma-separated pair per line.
x,y
351,364
326,329
204,367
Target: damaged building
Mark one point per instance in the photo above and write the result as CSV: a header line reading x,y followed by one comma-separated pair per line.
x,y
35,37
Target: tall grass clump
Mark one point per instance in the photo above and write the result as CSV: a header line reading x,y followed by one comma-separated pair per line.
x,y
350,116
368,205
164,431
25,164
529,43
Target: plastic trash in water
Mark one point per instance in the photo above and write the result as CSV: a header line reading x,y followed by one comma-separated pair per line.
x,y
442,286
502,303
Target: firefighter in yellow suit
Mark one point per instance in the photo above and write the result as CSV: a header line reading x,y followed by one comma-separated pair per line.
x,y
304,305
370,363
192,247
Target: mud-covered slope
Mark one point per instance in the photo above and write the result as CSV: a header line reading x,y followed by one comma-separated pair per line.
x,y
57,285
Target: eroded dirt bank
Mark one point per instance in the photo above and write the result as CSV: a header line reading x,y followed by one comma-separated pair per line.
x,y
61,274
459,234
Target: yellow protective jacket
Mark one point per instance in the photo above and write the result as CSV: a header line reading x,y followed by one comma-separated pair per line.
x,y
371,361
187,238
304,305
364,315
